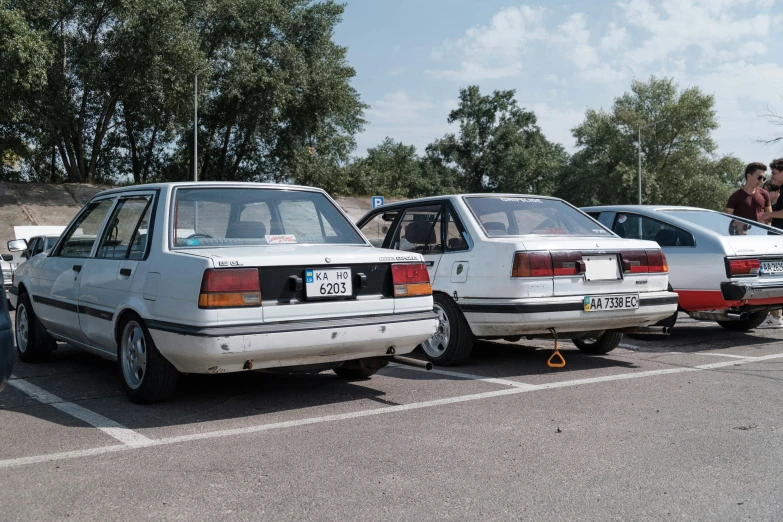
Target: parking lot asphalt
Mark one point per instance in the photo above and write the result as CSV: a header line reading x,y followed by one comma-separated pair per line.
x,y
687,427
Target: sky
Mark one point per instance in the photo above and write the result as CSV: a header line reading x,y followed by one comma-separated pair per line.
x,y
412,57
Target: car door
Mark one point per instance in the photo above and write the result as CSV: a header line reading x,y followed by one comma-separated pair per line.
x,y
106,277
56,299
420,229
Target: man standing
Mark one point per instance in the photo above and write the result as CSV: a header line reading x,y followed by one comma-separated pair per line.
x,y
751,201
754,203
776,169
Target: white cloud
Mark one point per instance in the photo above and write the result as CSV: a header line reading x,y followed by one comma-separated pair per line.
x,y
615,38
677,25
574,38
398,107
494,51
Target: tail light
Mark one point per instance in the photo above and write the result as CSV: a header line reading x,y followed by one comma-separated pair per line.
x,y
410,280
230,288
644,261
744,267
532,264
567,263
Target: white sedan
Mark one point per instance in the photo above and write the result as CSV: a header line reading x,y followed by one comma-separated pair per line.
x,y
506,266
220,277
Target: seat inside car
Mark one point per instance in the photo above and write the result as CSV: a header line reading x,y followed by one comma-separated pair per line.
x,y
666,237
495,227
246,230
420,233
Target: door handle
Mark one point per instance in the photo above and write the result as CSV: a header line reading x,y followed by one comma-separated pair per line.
x,y
429,263
77,268
125,272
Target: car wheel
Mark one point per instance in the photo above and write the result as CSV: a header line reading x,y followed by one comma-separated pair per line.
x,y
453,341
600,345
750,323
147,376
33,344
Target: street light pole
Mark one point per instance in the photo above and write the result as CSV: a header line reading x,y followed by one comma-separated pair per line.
x,y
640,165
195,132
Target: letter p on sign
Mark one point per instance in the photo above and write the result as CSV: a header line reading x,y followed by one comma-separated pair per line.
x,y
377,201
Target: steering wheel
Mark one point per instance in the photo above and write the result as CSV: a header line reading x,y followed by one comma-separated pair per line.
x,y
192,236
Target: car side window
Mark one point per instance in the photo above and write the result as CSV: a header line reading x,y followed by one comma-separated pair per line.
x,y
120,233
28,253
634,226
80,237
455,233
39,246
377,227
420,230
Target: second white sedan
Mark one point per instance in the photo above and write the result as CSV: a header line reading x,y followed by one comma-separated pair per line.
x,y
507,266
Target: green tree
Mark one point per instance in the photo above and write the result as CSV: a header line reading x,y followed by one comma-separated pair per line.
x,y
679,161
394,169
500,148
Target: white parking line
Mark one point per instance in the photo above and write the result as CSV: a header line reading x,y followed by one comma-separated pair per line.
x,y
10,463
127,436
467,376
727,355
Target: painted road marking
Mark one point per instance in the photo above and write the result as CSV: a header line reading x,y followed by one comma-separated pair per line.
x,y
467,376
22,461
125,435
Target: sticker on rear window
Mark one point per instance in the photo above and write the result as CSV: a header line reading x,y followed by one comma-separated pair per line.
x,y
522,200
280,239
622,218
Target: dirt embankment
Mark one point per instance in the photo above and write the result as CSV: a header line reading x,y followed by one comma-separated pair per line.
x,y
40,204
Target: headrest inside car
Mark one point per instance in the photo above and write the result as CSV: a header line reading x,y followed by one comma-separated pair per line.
x,y
420,232
246,229
495,227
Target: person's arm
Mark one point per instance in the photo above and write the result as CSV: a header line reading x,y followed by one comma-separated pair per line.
x,y
769,214
728,210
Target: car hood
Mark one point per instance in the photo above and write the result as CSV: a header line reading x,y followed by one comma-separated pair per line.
x,y
277,255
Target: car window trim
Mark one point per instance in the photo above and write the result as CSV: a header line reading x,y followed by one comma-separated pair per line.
x,y
115,211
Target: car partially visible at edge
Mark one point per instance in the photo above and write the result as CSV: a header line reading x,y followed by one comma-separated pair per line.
x,y
724,268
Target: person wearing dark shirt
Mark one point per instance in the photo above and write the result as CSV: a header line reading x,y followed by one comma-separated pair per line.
x,y
776,178
754,203
751,201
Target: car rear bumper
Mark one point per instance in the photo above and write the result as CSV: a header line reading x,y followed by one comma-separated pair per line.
x,y
512,317
746,291
193,349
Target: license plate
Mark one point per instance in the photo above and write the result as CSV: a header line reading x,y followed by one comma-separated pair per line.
x,y
772,267
609,303
323,284
601,268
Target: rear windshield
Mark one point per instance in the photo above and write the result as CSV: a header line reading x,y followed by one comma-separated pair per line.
x,y
521,216
723,224
247,216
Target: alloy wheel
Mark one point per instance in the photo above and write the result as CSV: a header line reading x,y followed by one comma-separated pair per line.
x,y
436,345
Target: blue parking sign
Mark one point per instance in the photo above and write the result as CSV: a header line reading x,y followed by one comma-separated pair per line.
x,y
377,201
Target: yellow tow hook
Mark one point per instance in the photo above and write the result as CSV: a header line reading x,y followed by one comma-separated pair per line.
x,y
550,362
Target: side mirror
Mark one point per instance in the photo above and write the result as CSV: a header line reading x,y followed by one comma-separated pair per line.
x,y
17,245
7,257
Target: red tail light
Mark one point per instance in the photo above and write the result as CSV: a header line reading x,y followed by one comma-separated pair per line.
x,y
410,280
744,266
644,261
532,264
567,263
230,288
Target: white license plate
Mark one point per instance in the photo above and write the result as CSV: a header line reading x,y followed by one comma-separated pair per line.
x,y
609,303
334,282
772,267
601,268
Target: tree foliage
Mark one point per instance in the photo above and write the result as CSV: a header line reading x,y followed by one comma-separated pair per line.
x,y
679,161
499,148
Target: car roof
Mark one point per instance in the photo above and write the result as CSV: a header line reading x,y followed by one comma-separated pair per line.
x,y
640,208
214,184
457,196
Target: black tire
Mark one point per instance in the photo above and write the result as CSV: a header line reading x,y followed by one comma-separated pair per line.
x,y
600,346
147,377
750,323
33,344
454,330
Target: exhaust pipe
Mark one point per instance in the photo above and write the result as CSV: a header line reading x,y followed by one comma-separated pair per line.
x,y
655,330
737,317
408,361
